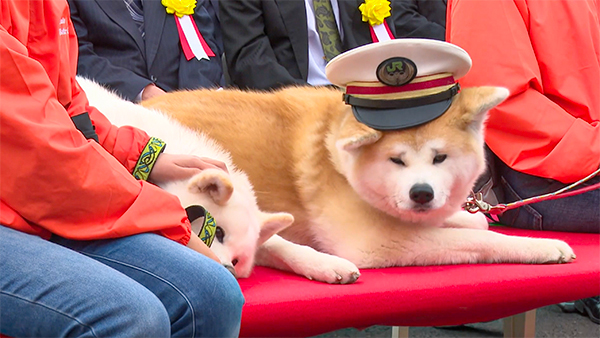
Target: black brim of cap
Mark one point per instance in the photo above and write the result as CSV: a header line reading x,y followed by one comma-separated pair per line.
x,y
400,118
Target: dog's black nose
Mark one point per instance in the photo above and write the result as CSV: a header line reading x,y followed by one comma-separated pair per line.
x,y
421,193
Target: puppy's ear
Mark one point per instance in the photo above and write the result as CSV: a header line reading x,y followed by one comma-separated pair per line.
x,y
476,102
272,223
353,134
214,182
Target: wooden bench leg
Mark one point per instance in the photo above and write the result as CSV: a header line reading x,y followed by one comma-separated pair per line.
x,y
520,326
399,331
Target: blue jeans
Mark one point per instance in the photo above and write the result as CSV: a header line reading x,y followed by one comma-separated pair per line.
x,y
579,213
138,286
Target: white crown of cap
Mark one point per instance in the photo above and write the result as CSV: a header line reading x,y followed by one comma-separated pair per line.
x,y
430,57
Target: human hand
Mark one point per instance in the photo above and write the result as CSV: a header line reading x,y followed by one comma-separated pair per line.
x,y
151,91
172,167
197,245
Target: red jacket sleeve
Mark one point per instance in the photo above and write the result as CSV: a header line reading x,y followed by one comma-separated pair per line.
x,y
548,126
56,179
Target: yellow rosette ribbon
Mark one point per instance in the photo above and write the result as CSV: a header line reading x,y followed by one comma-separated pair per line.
x,y
179,7
375,11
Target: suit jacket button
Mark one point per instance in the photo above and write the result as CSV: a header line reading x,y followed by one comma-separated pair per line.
x,y
153,78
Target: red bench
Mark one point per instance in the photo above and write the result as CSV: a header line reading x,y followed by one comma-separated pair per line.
x,y
280,304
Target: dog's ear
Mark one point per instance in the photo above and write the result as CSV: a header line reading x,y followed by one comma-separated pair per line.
x,y
215,182
476,102
272,223
353,134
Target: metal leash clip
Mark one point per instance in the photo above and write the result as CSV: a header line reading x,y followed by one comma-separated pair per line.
x,y
475,203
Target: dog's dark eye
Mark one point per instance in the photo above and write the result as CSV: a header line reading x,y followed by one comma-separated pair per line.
x,y
397,161
219,234
439,158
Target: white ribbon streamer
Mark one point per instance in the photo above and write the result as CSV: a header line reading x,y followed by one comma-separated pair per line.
x,y
381,32
192,37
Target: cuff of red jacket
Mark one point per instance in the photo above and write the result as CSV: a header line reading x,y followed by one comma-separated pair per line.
x,y
147,160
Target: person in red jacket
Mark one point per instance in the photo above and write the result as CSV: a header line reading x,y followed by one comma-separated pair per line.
x,y
546,135
88,246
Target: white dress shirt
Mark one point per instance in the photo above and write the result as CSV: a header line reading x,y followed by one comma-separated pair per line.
x,y
316,57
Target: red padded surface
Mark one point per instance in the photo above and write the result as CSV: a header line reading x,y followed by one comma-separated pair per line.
x,y
280,304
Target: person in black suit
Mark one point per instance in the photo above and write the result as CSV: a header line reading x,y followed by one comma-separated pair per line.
x,y
420,19
267,41
141,60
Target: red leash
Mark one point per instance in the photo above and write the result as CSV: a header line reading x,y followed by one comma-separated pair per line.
x,y
475,202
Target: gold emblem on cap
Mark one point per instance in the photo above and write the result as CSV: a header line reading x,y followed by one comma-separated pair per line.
x,y
396,71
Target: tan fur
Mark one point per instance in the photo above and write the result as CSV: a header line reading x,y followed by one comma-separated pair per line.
x,y
271,137
306,154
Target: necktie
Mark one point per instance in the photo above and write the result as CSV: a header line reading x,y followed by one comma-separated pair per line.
x,y
136,10
327,28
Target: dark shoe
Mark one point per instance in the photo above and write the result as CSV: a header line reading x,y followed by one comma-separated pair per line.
x,y
567,307
588,307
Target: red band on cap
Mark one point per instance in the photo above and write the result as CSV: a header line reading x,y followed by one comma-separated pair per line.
x,y
367,90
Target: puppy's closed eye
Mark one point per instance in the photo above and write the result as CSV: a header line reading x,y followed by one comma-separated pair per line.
x,y
220,234
398,161
439,158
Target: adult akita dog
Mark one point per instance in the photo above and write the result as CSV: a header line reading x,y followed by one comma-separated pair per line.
x,y
377,198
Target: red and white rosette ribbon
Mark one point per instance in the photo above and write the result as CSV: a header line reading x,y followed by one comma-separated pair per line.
x,y
381,32
192,42
375,12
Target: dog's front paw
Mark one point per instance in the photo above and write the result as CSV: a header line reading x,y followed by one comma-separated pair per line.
x,y
552,251
279,253
327,268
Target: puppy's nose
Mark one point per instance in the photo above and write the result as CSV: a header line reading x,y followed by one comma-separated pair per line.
x,y
231,269
421,193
